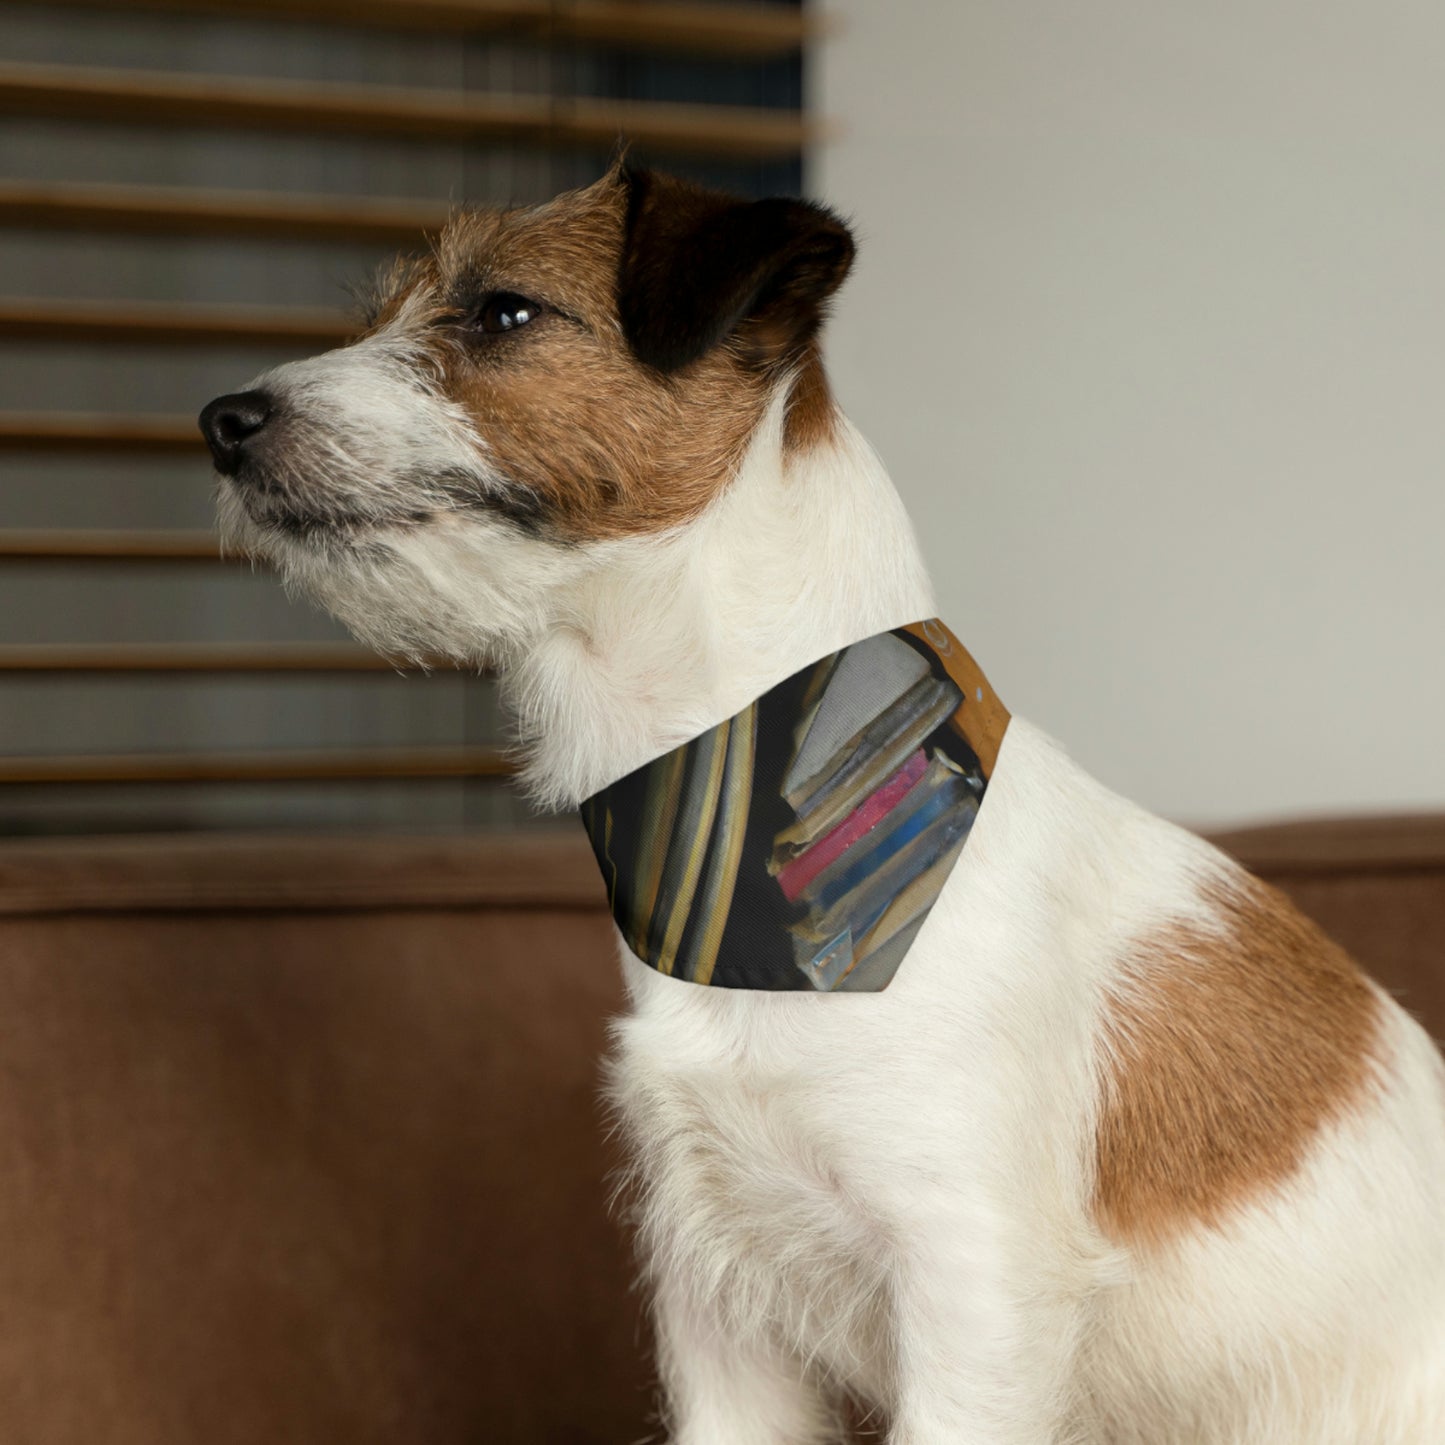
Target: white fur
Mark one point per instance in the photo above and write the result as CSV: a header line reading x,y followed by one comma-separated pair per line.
x,y
890,1194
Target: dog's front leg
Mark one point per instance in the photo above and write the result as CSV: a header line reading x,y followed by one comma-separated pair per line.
x,y
722,1389
984,1352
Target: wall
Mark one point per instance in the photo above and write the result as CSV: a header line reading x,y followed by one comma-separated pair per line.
x,y
1149,324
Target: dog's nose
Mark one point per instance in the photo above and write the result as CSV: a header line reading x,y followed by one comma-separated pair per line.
x,y
229,422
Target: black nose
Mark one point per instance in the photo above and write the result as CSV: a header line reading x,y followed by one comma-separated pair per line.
x,y
229,422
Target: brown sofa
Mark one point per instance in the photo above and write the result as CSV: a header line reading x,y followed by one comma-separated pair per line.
x,y
299,1141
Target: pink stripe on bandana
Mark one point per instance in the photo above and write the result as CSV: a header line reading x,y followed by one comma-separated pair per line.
x,y
832,845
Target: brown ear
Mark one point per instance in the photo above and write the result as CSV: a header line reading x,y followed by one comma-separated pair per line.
x,y
699,266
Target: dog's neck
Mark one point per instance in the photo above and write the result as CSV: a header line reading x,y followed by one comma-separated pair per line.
x,y
804,553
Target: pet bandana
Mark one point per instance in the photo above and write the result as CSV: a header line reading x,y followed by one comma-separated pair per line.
x,y
802,843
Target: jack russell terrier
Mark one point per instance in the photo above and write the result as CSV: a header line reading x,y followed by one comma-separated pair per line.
x,y
1095,1140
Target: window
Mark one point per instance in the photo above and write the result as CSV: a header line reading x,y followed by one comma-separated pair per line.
x,y
188,192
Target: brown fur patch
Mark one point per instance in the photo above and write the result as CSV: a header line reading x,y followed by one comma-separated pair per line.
x,y
812,412
595,443
591,441
1229,1051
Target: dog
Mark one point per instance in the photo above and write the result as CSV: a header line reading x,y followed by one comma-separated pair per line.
x,y
1127,1153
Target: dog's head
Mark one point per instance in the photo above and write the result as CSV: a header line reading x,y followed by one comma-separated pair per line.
x,y
546,382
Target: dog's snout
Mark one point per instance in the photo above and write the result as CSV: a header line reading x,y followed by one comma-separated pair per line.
x,y
229,422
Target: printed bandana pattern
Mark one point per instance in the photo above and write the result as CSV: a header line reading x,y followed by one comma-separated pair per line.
x,y
802,843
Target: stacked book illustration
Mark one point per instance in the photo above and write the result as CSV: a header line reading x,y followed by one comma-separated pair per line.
x,y
880,812
800,843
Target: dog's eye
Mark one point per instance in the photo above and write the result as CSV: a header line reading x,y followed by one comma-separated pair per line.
x,y
505,311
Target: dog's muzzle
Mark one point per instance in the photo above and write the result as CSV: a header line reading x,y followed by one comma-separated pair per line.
x,y
231,424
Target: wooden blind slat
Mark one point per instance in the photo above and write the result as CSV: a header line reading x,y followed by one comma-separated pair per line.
x,y
258,767
752,31
94,431
109,546
168,323
181,657
175,211
705,29
160,98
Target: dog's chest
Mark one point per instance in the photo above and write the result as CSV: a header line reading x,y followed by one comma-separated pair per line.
x,y
749,1181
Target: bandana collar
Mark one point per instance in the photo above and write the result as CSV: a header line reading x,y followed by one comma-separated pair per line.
x,y
801,843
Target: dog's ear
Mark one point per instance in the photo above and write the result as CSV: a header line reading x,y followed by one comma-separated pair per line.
x,y
699,266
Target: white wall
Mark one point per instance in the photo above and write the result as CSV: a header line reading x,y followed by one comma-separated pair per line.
x,y
1149,324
